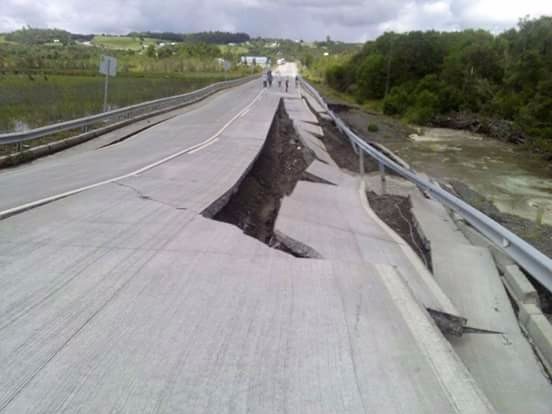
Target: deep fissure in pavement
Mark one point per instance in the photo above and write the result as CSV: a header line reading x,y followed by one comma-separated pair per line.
x,y
396,212
280,165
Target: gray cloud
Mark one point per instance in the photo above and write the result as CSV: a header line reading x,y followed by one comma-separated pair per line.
x,y
351,20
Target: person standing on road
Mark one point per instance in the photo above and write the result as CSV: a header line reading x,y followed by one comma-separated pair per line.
x,y
264,80
287,84
296,81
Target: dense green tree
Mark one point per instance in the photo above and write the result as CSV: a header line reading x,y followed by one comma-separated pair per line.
x,y
508,76
371,76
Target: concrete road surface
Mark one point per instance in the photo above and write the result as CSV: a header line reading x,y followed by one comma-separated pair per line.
x,y
64,172
127,297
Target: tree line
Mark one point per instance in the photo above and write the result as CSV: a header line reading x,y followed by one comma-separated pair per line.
x,y
35,36
202,37
421,75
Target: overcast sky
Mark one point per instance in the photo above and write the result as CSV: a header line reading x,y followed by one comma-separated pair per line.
x,y
350,20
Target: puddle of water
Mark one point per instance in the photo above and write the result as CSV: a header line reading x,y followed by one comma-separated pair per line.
x,y
516,181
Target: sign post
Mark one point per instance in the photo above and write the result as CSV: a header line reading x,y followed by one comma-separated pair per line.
x,y
226,65
108,67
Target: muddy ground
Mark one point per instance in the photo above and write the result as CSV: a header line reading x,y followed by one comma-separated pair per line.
x,y
340,150
396,212
388,129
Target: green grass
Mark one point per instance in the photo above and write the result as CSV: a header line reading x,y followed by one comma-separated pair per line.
x,y
122,42
332,95
235,50
39,100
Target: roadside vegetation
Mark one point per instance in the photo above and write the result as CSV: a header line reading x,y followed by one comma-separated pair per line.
x,y
470,78
50,75
29,101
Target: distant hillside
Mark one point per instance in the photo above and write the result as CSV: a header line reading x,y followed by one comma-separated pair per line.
x,y
204,37
30,36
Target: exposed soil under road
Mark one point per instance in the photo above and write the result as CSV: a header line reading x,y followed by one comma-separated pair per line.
x,y
396,212
340,149
280,165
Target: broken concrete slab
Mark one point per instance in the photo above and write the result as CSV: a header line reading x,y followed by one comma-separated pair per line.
x,y
326,172
332,221
393,185
316,146
314,129
519,287
539,329
434,221
501,259
504,364
298,111
316,107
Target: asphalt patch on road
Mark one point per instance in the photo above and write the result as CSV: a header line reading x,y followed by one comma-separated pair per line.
x,y
281,164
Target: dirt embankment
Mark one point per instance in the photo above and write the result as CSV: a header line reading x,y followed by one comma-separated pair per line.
x,y
495,128
254,207
341,151
396,212
373,126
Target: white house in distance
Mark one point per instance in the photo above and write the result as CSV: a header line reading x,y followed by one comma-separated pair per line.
x,y
261,61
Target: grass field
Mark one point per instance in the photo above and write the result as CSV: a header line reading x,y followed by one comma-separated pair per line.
x,y
122,42
30,102
235,50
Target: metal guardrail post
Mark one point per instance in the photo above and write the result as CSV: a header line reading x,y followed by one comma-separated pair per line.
x,y
382,176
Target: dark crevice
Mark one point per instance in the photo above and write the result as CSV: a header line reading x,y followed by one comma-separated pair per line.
x,y
255,204
395,211
135,132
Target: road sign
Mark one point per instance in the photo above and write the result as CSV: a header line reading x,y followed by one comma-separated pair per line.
x,y
227,65
108,66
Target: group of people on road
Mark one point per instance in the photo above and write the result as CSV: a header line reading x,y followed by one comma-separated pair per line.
x,y
268,79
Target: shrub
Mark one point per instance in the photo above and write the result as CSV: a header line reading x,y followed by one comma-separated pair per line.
x,y
397,101
373,127
424,109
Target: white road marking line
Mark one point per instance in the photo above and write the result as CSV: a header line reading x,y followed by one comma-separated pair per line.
x,y
203,147
189,150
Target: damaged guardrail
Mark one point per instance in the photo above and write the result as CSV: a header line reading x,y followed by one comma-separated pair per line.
x,y
538,265
128,112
